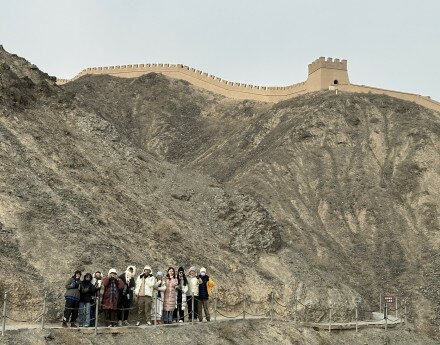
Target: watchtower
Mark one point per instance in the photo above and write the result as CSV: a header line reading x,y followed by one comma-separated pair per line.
x,y
324,73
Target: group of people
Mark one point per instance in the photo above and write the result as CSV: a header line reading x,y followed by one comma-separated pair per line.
x,y
161,298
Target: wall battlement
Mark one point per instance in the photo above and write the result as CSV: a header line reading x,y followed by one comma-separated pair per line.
x,y
329,63
322,74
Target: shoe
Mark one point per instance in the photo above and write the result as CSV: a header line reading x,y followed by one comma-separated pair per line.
x,y
74,325
64,324
180,321
110,325
149,323
138,323
208,320
120,323
126,323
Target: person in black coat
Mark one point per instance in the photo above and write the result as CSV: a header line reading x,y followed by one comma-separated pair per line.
x,y
86,293
126,295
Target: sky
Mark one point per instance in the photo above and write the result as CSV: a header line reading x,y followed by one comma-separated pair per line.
x,y
391,44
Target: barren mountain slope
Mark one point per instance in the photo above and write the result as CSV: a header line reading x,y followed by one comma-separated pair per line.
x,y
77,192
353,180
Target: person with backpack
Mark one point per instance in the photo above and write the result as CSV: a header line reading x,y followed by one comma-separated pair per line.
x,y
206,285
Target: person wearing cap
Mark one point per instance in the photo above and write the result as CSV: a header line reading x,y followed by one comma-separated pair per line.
x,y
144,293
205,288
159,288
193,290
72,296
112,285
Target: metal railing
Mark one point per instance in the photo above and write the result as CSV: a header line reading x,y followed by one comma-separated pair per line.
x,y
270,308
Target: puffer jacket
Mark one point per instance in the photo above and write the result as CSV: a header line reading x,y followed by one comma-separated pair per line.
x,y
148,286
72,289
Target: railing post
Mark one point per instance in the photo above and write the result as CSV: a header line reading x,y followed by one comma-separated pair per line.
x,y
405,316
380,303
4,314
271,306
155,294
386,316
244,307
96,313
43,314
192,308
396,309
356,317
215,306
330,320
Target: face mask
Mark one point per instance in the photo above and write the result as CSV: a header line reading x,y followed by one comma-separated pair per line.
x,y
202,274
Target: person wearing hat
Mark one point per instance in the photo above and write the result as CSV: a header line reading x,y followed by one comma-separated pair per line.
x,y
193,290
72,296
205,288
159,288
112,284
144,292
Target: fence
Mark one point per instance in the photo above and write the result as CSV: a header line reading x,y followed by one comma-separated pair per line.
x,y
246,307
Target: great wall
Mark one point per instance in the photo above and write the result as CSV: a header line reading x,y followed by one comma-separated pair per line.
x,y
323,74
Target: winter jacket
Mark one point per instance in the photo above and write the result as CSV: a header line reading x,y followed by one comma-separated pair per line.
x,y
127,291
87,291
148,286
205,287
111,293
193,286
170,295
72,289
182,290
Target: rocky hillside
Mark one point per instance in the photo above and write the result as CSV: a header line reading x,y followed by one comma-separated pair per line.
x,y
352,180
322,198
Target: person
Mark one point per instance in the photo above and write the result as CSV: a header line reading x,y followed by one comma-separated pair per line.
x,y
86,291
182,288
112,285
97,283
144,293
126,295
157,307
193,288
72,300
170,296
205,288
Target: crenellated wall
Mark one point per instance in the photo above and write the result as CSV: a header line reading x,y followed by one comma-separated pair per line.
x,y
322,74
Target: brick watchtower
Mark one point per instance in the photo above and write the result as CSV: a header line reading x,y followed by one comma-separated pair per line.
x,y
324,73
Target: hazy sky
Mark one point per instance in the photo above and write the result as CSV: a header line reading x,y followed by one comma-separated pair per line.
x,y
390,44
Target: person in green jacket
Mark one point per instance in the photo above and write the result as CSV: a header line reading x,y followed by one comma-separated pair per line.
x,y
72,299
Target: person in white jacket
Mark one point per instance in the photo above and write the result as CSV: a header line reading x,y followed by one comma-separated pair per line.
x,y
144,292
159,289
